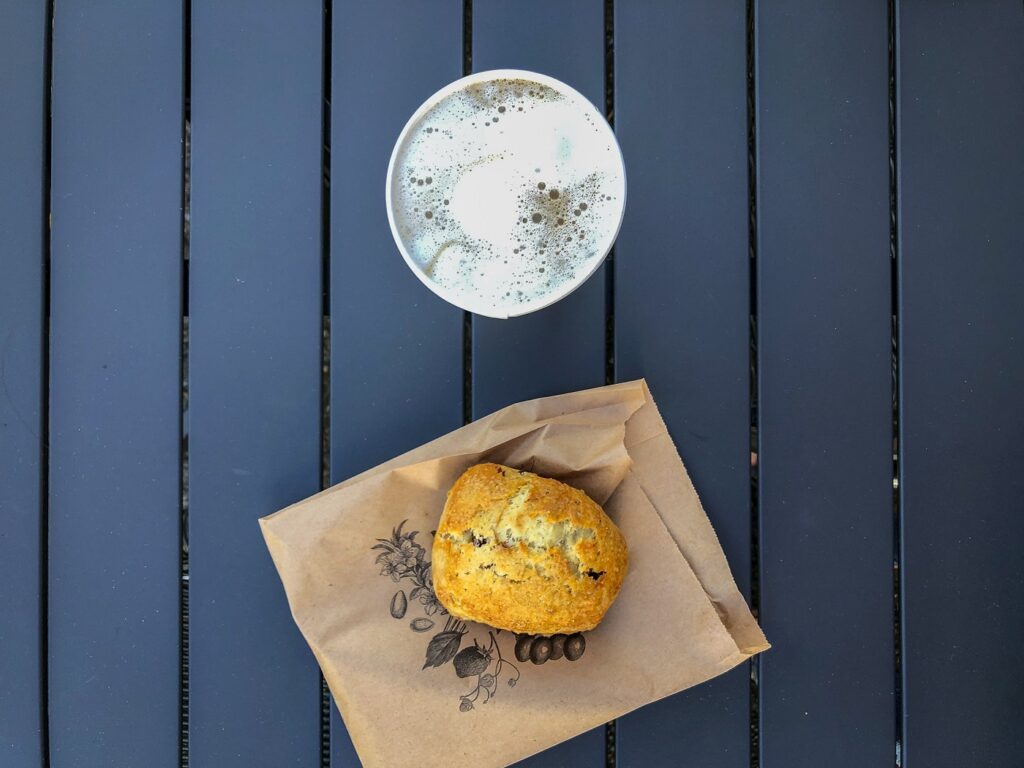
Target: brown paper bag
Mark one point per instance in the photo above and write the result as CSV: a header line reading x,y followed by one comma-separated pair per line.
x,y
354,560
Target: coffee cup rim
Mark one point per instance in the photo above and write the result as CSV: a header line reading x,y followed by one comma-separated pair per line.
x,y
465,301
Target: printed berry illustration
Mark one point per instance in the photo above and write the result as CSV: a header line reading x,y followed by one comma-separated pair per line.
x,y
471,661
475,661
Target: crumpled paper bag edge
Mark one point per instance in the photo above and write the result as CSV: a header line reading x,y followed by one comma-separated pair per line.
x,y
731,607
424,452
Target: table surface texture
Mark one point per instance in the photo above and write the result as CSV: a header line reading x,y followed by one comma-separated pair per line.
x,y
204,318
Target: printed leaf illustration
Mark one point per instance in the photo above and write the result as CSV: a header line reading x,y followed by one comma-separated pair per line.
x,y
442,648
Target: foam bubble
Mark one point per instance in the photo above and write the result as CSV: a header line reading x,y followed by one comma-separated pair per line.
x,y
476,209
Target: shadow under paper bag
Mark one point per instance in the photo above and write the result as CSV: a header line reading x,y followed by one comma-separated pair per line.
x,y
399,669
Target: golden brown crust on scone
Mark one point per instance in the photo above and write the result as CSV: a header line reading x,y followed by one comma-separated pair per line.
x,y
525,553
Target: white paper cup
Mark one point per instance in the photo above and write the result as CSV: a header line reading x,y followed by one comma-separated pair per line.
x,y
465,300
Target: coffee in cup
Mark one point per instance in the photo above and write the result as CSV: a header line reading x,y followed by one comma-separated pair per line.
x,y
505,192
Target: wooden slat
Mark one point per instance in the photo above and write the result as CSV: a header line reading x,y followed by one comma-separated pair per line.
x,y
23,87
681,308
396,348
115,383
561,348
254,365
824,341
961,115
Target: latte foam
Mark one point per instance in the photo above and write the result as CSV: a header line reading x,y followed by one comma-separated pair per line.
x,y
505,192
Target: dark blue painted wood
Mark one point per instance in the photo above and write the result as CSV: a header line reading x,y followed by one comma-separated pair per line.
x,y
254,371
22,221
825,375
396,371
115,372
561,348
396,349
681,308
961,114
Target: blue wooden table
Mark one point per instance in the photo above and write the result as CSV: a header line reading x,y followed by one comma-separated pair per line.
x,y
203,318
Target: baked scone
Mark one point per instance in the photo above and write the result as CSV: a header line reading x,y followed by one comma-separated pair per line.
x,y
525,553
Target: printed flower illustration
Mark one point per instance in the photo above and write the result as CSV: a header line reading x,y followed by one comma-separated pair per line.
x,y
391,568
425,594
409,554
401,557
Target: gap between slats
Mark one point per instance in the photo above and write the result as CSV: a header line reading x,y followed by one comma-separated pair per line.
x,y
611,729
897,498
184,669
467,317
752,244
44,398
325,312
186,212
